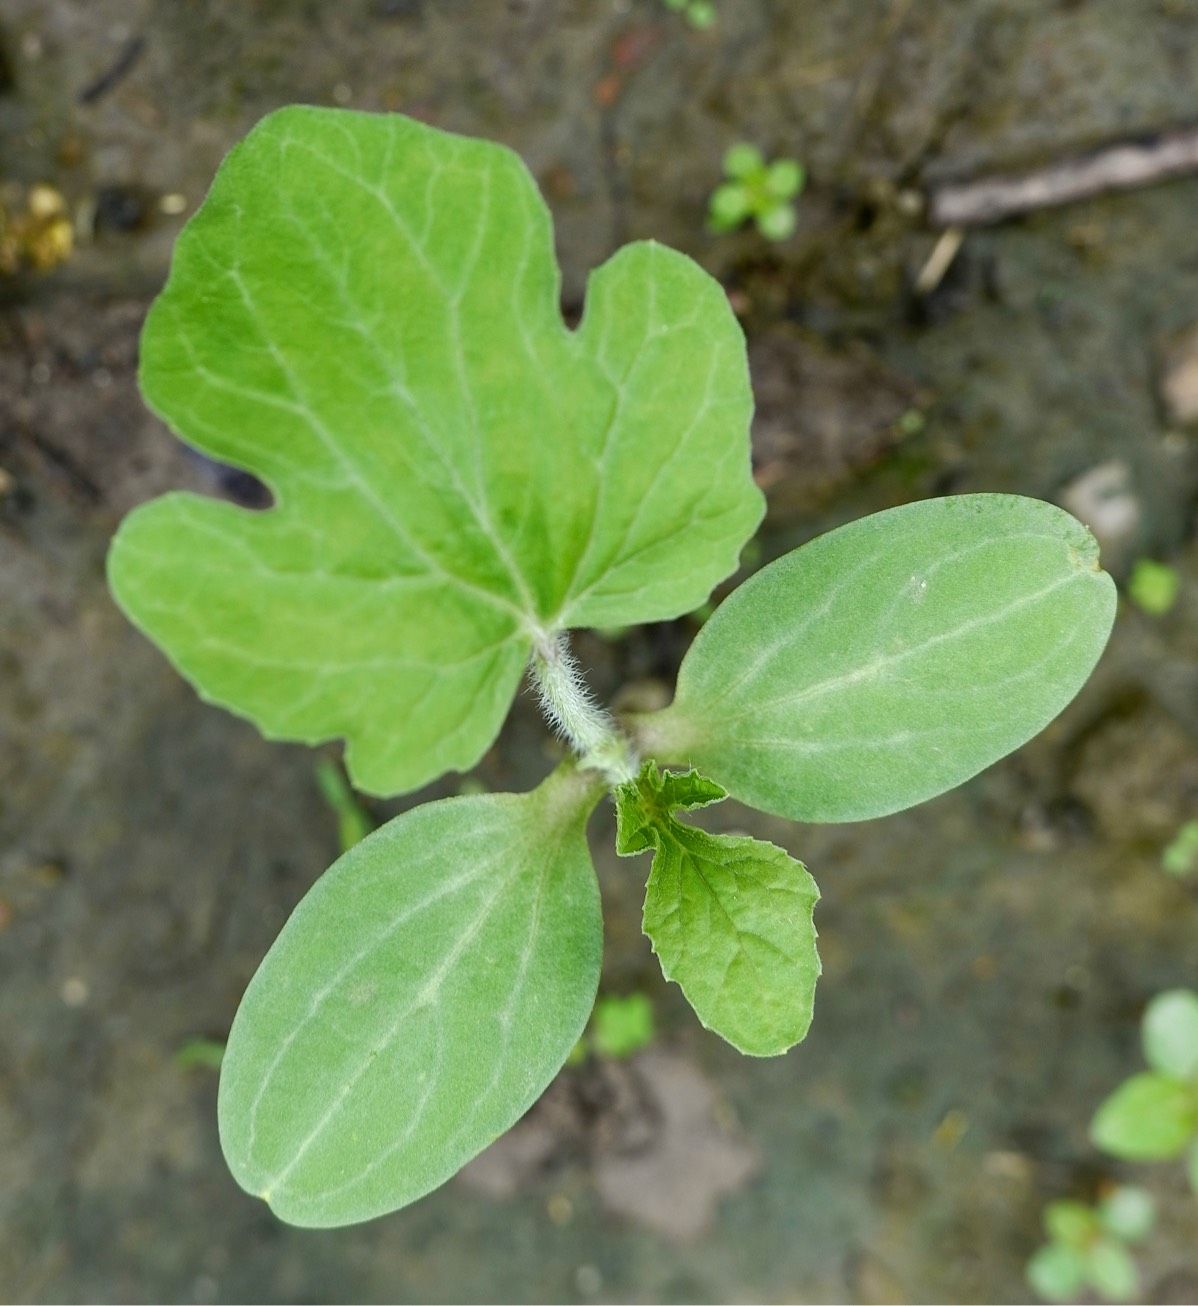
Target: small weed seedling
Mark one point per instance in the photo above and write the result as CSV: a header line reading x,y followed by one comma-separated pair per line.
x,y
1088,1247
699,13
618,1028
756,191
1180,858
364,313
1153,586
1153,1116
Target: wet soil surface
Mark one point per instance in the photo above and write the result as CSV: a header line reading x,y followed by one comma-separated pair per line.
x,y
986,957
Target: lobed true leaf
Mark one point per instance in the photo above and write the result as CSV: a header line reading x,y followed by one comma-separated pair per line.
x,y
729,916
364,313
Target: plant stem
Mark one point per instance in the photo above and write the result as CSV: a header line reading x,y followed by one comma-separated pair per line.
x,y
568,706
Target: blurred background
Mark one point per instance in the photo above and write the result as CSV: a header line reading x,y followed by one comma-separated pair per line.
x,y
987,957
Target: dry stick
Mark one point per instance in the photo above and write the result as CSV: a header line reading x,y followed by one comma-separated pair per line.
x,y
128,56
1118,167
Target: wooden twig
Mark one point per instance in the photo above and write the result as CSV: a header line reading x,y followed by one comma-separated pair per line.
x,y
130,53
939,261
1116,167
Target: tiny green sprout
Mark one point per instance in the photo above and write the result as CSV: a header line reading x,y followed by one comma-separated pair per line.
x,y
1153,586
618,1027
1180,857
911,422
365,312
621,1026
1153,1116
206,1053
756,191
700,14
1087,1247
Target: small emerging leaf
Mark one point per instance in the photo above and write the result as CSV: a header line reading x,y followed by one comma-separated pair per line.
x,y
1150,1117
730,917
365,314
784,179
1057,1272
1180,858
777,222
1071,1222
646,805
743,160
729,206
890,660
205,1052
1112,1271
1170,1034
1153,586
622,1026
1128,1212
418,1001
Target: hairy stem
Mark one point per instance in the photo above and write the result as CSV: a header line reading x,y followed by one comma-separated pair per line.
x,y
569,708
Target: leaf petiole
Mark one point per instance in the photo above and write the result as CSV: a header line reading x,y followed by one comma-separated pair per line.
x,y
568,706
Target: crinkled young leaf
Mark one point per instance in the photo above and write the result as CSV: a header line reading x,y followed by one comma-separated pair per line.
x,y
891,659
1149,1117
1170,1033
729,917
646,805
419,999
364,313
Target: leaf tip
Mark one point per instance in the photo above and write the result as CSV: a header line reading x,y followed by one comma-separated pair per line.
x,y
1083,552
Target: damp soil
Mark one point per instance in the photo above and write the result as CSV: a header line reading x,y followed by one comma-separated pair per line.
x,y
986,957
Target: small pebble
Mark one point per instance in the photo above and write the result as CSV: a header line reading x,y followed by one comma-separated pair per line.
x,y
1104,499
1179,377
588,1280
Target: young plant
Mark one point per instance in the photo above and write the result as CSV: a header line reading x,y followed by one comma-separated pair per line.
x,y
756,191
699,13
619,1026
1153,586
1180,858
1088,1247
1153,1116
365,314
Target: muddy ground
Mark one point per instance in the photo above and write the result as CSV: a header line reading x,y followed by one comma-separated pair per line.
x,y
986,956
